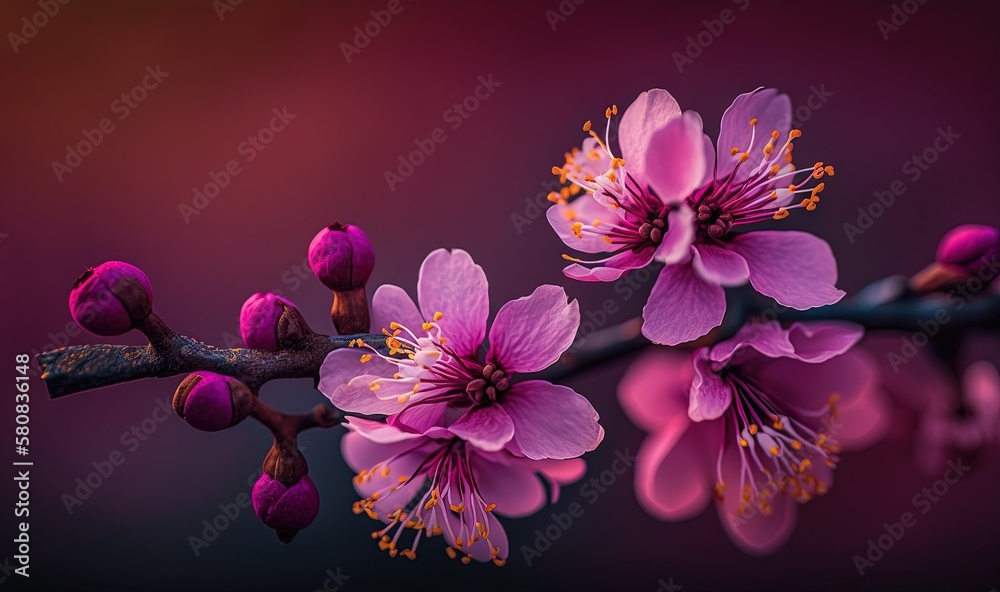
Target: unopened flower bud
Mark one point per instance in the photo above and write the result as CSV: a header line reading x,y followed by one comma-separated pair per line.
x,y
270,322
968,247
111,298
342,257
285,509
212,402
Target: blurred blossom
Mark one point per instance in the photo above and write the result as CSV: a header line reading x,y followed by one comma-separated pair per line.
x,y
442,485
435,377
670,196
944,418
757,421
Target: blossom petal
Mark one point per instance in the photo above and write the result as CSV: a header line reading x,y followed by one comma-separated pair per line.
x,y
681,306
765,337
392,304
451,283
677,240
552,421
675,159
795,268
674,474
821,340
611,269
584,209
515,489
717,265
655,388
344,379
650,110
488,428
773,111
530,333
710,396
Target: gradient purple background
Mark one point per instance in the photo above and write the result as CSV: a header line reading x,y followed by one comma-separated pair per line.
x,y
352,122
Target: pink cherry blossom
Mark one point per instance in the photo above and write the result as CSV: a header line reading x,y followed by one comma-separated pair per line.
x,y
435,375
756,422
673,198
442,485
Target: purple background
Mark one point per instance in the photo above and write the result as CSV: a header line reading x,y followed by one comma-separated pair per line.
x,y
352,121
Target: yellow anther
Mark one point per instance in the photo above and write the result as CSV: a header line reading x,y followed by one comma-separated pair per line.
x,y
781,214
374,386
794,134
777,423
457,509
612,176
401,399
806,463
557,170
796,445
427,326
774,451
614,109
576,227
451,552
744,443
586,126
554,197
467,559
753,121
744,157
753,429
733,151
438,316
490,507
366,358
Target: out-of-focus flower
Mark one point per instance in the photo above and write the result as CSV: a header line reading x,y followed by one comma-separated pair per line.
x,y
673,198
435,376
756,421
440,485
942,417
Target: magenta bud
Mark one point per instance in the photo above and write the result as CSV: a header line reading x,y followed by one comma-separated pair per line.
x,y
259,320
111,298
968,247
342,257
211,402
285,509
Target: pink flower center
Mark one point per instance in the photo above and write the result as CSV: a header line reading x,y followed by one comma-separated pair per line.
x,y
763,184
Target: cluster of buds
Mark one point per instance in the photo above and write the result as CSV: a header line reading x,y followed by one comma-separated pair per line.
x,y
115,297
